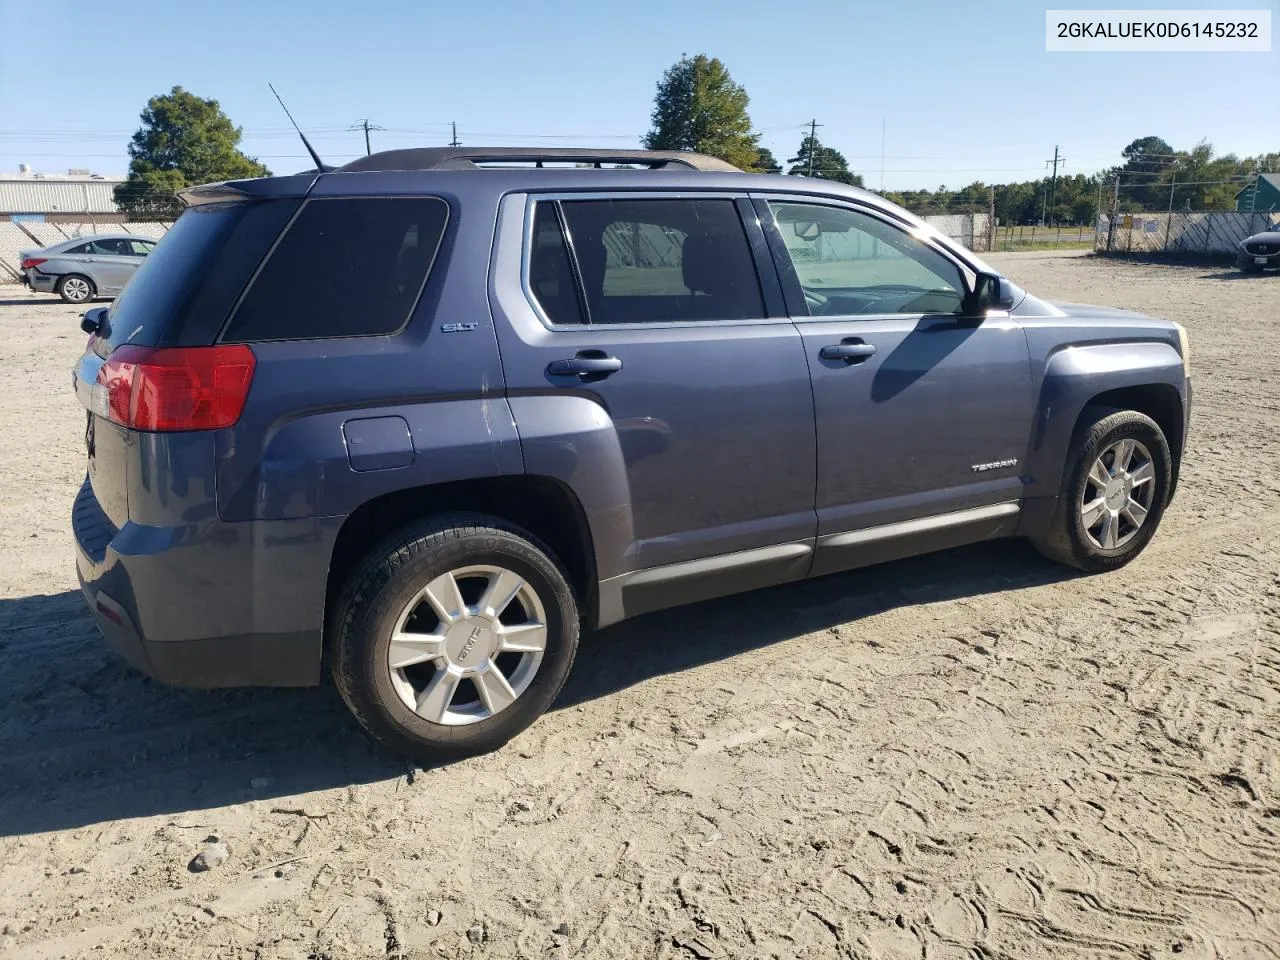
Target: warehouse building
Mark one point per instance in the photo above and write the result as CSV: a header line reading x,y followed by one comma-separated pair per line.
x,y
76,196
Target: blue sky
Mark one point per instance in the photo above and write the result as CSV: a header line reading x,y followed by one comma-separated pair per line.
x,y
966,90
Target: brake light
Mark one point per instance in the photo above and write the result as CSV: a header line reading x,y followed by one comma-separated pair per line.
x,y
29,262
176,388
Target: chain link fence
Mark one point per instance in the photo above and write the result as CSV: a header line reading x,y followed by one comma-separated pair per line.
x,y
1181,233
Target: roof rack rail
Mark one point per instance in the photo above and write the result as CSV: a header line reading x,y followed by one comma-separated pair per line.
x,y
469,158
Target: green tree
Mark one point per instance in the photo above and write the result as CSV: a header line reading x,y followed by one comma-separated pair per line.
x,y
698,107
1211,183
827,163
1145,161
766,162
183,140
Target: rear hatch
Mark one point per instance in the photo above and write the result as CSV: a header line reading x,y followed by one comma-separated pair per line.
x,y
166,320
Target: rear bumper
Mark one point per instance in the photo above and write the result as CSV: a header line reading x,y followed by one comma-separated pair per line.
x,y
213,604
41,282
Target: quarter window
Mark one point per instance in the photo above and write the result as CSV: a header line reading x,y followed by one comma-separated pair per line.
x,y
551,271
850,263
344,268
658,261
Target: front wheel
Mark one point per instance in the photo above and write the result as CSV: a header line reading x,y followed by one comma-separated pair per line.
x,y
454,636
1114,492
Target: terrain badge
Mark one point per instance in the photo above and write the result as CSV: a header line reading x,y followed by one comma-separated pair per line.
x,y
993,465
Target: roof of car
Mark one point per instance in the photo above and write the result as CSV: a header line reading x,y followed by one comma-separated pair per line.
x,y
97,236
471,158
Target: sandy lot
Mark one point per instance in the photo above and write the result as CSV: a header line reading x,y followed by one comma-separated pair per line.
x,y
968,755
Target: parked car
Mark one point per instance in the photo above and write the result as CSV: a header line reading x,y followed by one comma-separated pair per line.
x,y
1259,252
87,267
423,418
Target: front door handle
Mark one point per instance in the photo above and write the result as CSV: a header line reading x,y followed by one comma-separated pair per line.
x,y
588,365
851,350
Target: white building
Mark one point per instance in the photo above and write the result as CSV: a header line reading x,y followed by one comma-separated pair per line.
x,y
56,196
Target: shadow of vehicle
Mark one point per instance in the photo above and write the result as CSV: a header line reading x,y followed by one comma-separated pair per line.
x,y
1235,273
52,300
84,739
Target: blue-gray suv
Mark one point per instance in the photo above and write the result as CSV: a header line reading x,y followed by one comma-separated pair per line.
x,y
424,417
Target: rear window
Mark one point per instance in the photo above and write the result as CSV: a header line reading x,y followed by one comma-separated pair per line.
x,y
344,268
663,260
163,284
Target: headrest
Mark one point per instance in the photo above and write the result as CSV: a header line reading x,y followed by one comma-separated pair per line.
x,y
703,269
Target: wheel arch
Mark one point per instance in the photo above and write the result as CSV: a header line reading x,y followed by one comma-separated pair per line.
x,y
1146,376
1159,401
544,506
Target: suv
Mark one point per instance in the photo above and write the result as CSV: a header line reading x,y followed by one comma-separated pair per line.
x,y
425,416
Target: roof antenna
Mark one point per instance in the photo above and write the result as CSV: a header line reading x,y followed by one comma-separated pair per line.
x,y
321,167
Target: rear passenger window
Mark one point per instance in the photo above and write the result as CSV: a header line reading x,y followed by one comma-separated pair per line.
x,y
654,260
344,268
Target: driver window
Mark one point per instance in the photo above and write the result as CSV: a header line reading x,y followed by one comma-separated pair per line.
x,y
850,263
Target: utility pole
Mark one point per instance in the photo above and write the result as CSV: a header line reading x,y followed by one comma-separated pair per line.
x,y
882,123
454,142
1115,205
813,142
366,126
1053,188
991,221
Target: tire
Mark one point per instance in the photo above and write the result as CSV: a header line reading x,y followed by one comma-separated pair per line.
x,y
1073,541
377,679
74,288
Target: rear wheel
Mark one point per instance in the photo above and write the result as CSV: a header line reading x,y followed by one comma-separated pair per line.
x,y
1113,494
454,636
74,288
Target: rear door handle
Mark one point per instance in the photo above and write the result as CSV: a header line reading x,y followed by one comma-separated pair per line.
x,y
588,365
850,351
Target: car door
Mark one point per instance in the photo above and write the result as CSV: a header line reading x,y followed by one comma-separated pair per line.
x,y
923,414
111,262
650,309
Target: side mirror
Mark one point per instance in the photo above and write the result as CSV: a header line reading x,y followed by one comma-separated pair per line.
x,y
807,229
990,292
91,320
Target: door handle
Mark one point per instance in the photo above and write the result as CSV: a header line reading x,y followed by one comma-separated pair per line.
x,y
588,365
850,351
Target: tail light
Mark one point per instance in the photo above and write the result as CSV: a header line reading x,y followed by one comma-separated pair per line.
x,y
175,388
29,262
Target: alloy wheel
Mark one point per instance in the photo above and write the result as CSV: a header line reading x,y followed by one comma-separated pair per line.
x,y
1118,494
467,645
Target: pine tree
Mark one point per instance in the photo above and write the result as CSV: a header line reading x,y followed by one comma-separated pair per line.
x,y
828,163
183,140
698,107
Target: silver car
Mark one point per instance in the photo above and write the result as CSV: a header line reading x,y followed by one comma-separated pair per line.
x,y
87,267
